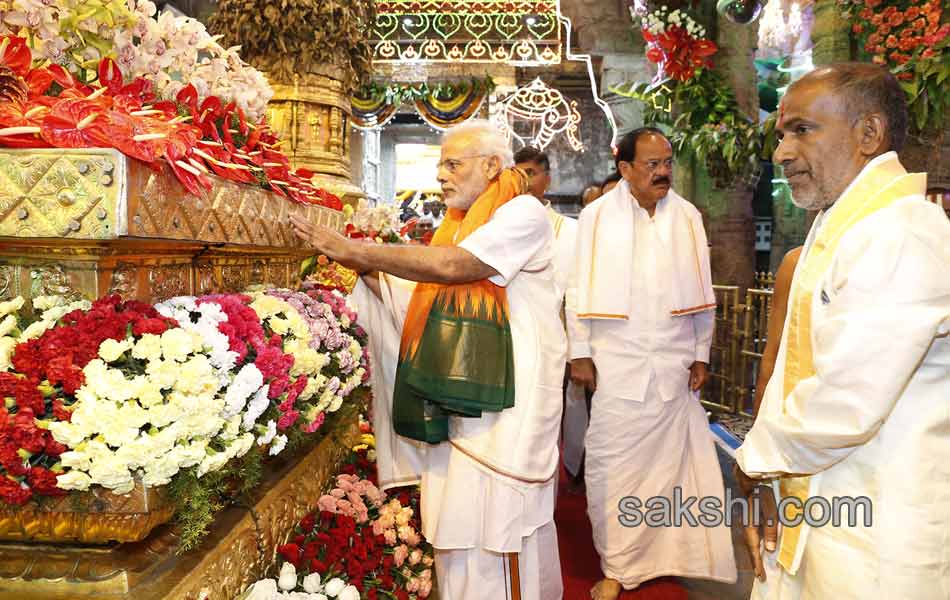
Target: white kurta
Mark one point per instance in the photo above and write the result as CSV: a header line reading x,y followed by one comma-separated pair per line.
x,y
648,433
489,490
574,424
875,418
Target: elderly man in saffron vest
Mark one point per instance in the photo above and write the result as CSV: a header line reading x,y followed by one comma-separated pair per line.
x,y
859,402
474,355
640,310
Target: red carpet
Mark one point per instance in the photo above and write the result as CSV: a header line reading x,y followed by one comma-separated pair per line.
x,y
580,566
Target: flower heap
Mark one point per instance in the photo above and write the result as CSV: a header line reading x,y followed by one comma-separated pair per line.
x,y
380,224
50,107
327,350
358,544
165,49
676,42
893,32
170,51
107,393
75,34
44,377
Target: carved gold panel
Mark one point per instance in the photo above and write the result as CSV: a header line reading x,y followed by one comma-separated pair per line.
x,y
88,194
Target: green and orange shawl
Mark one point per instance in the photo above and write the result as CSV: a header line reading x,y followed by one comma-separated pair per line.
x,y
455,356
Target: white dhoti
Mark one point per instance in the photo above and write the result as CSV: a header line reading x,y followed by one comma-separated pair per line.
x,y
474,518
647,449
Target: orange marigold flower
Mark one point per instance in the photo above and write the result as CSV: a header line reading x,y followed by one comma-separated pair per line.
x,y
912,13
891,41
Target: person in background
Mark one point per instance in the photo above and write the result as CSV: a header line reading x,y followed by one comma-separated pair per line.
x,y
591,193
537,166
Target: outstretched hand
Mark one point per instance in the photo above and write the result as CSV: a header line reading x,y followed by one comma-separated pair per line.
x,y
326,241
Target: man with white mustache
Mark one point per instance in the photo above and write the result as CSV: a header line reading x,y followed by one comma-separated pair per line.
x,y
487,472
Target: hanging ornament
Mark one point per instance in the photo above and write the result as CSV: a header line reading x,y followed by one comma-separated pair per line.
x,y
534,114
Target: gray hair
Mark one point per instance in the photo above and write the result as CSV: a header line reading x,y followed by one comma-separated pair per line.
x,y
486,138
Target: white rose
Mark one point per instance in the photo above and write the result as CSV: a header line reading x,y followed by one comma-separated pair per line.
x,y
14,305
288,577
280,442
268,434
6,351
73,480
110,350
177,344
148,347
334,587
34,330
311,583
265,589
349,593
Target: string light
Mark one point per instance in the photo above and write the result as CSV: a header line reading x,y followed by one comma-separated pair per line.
x,y
545,111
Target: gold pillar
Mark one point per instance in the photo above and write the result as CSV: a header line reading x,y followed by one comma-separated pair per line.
x,y
312,115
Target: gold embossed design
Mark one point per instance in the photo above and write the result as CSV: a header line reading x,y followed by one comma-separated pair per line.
x,y
60,193
95,517
101,194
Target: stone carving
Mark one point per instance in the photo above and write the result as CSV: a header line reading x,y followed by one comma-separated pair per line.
x,y
124,281
166,281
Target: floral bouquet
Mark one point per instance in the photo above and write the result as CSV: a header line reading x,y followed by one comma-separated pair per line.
x,y
380,224
675,42
358,544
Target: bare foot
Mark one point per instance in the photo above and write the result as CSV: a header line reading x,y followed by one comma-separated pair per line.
x,y
606,589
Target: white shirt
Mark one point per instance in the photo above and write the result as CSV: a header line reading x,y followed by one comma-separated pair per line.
x,y
521,441
652,343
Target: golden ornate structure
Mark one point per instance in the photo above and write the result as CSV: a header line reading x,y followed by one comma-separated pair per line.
x,y
94,517
312,113
240,548
91,222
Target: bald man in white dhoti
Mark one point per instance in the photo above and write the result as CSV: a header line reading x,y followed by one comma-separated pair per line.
x,y
640,310
473,380
858,405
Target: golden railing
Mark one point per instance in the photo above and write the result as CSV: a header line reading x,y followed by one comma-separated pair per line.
x,y
738,343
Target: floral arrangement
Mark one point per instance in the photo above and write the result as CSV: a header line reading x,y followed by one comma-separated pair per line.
x,y
675,41
911,38
112,393
358,544
167,50
49,107
708,125
380,224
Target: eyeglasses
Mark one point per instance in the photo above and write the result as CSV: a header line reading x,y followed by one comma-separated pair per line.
x,y
653,165
452,164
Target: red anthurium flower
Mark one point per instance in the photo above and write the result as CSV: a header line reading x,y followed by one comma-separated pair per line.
x,y
66,81
20,125
188,96
74,123
110,77
15,54
38,81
